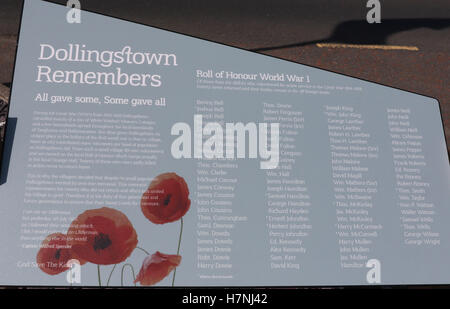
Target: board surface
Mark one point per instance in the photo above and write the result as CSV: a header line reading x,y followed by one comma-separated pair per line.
x,y
349,187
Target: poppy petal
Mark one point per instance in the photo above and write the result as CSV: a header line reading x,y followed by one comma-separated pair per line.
x,y
54,253
166,199
156,267
102,236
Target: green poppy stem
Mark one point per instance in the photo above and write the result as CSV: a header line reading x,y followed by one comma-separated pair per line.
x,y
143,250
110,274
71,276
132,270
99,278
178,250
112,270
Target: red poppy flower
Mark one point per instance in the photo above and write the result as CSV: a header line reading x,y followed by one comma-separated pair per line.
x,y
102,236
54,254
166,199
156,267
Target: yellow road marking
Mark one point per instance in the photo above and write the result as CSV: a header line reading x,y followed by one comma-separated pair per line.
x,y
362,46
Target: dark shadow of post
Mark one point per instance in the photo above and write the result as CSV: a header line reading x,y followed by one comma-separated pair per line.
x,y
5,151
361,32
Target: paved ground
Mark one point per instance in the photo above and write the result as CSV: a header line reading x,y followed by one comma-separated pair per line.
x,y
291,29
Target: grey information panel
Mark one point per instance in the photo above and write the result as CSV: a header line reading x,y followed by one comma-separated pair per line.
x,y
198,164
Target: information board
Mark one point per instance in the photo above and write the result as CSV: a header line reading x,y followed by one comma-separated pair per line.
x,y
173,160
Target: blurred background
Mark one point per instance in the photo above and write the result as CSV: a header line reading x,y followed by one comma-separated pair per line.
x,y
409,49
